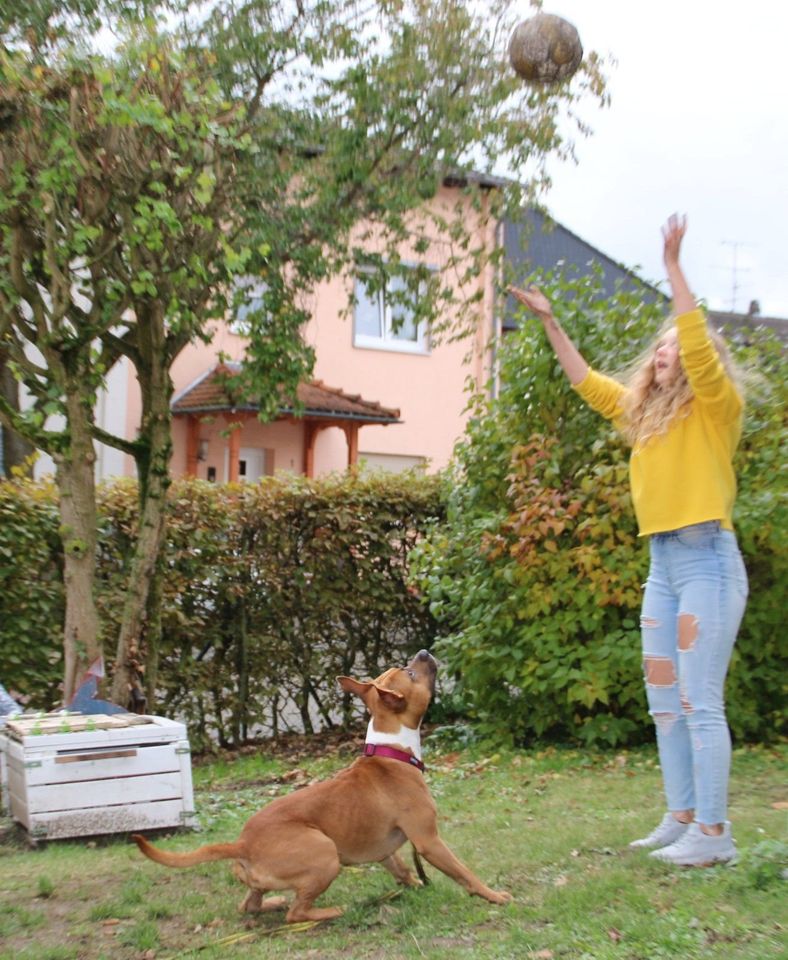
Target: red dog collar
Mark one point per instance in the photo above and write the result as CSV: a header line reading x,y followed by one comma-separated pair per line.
x,y
380,750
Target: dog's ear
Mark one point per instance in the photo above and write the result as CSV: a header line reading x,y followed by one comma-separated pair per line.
x,y
356,687
390,698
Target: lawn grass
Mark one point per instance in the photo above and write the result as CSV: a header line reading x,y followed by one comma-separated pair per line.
x,y
551,826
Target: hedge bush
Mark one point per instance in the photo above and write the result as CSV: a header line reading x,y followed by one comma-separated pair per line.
x,y
270,592
31,591
537,571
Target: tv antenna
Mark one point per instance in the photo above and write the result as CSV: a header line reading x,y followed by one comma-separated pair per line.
x,y
735,268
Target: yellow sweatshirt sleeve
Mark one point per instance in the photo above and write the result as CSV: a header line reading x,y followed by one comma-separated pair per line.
x,y
602,393
710,383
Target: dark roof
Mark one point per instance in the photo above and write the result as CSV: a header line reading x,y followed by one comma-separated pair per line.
x,y
538,243
214,392
461,178
739,325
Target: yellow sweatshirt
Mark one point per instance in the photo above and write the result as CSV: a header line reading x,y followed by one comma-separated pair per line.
x,y
686,475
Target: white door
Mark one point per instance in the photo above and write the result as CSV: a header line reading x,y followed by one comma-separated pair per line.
x,y
251,464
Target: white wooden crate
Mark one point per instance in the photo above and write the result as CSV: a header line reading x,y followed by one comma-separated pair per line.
x,y
80,775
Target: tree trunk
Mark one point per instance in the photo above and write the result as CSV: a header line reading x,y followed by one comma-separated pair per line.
x,y
127,680
15,449
76,485
153,633
241,712
153,470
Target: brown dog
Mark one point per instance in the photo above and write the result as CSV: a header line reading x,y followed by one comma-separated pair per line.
x,y
364,814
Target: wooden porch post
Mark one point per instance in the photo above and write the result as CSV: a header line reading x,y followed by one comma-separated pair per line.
x,y
234,453
192,445
310,432
351,432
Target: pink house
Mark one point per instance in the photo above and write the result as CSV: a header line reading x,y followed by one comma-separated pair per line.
x,y
384,395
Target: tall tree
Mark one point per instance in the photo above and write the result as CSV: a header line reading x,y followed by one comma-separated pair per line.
x,y
139,187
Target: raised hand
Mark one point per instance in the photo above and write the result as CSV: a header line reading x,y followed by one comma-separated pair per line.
x,y
572,362
672,235
534,299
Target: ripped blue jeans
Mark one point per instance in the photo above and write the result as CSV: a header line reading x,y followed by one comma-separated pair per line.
x,y
692,607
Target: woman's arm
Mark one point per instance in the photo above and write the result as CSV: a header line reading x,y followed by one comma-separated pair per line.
x,y
707,376
570,358
672,235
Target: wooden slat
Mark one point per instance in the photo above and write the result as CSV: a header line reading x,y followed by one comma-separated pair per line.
x,y
97,820
157,729
90,766
103,793
73,723
99,755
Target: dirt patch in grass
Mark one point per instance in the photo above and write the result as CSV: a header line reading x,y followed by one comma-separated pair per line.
x,y
90,917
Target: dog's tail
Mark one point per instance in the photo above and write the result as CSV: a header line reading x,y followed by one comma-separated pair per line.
x,y
212,851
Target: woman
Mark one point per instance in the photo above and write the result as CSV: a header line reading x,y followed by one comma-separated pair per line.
x,y
682,413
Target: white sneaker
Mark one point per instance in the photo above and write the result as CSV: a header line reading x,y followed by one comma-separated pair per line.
x,y
697,849
667,832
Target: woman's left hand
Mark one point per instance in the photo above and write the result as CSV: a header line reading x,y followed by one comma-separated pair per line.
x,y
672,235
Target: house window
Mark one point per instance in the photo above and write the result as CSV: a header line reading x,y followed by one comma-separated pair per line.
x,y
382,321
248,298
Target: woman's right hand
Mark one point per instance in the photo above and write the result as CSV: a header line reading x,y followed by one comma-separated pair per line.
x,y
535,300
570,358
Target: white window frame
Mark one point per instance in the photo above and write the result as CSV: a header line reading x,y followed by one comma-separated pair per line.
x,y
256,288
389,339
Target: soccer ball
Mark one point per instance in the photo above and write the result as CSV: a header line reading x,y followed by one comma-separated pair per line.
x,y
545,49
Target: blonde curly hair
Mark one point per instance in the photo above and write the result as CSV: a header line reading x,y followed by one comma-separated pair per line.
x,y
650,409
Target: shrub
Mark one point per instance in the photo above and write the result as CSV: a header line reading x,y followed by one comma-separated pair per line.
x,y
31,591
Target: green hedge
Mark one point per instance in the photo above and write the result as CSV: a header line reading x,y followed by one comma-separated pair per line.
x,y
31,591
270,592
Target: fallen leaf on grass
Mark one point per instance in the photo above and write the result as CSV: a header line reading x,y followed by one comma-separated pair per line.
x,y
780,805
615,935
542,955
296,774
560,881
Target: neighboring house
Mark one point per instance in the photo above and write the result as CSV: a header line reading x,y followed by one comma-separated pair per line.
x,y
383,395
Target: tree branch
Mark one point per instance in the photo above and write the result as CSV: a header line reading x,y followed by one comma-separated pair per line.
x,y
130,447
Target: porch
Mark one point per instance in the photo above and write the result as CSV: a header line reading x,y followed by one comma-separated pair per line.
x,y
225,441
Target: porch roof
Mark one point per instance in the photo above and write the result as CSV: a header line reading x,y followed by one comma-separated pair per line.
x,y
214,392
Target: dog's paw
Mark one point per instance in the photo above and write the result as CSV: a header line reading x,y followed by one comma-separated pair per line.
x,y
500,897
411,881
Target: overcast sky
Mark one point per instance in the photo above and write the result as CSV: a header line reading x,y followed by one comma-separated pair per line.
x,y
698,124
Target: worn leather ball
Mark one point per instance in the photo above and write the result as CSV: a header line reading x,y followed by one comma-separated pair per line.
x,y
545,49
